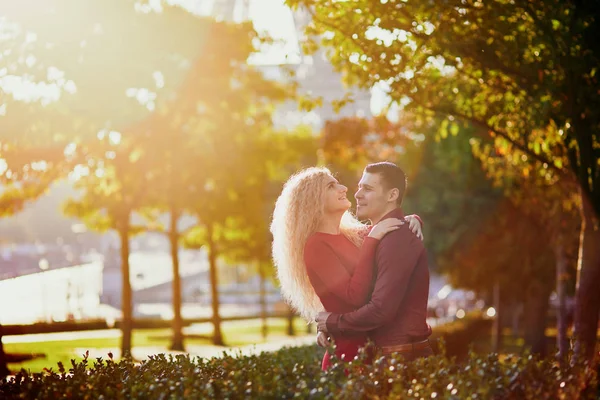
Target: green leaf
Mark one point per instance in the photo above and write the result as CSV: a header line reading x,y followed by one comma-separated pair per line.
x,y
443,129
454,129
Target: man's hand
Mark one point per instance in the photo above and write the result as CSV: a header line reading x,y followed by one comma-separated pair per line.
x,y
323,339
415,226
322,321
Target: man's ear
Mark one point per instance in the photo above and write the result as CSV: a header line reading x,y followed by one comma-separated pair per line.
x,y
393,195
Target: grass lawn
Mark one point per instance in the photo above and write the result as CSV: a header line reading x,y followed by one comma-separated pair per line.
x,y
235,333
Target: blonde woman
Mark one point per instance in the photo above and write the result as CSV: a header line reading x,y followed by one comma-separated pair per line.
x,y
323,255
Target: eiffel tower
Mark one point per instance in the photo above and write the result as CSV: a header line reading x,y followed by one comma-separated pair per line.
x,y
315,74
227,9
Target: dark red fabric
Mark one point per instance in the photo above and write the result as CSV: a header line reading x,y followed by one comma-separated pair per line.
x,y
397,310
342,275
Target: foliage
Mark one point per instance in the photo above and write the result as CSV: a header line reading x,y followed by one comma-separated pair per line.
x,y
25,177
508,69
347,145
470,219
223,127
183,122
295,372
64,85
54,85
455,339
33,156
116,54
522,72
281,154
504,228
537,190
112,178
448,188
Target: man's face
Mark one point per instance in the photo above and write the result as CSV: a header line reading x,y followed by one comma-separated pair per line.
x,y
372,198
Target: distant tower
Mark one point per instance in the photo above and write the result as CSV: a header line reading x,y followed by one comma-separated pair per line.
x,y
245,9
315,74
231,10
320,79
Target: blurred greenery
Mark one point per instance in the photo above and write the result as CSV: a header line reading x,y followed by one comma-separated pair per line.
x,y
156,340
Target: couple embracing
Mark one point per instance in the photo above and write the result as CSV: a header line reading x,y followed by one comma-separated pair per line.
x,y
357,281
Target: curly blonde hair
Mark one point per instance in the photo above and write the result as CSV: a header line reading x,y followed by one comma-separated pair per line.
x,y
298,213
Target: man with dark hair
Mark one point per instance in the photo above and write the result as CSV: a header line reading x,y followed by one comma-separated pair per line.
x,y
392,177
395,315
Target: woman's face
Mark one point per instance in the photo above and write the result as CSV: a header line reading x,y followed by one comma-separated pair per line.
x,y
335,196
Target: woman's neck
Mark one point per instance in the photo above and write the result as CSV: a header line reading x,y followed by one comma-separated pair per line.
x,y
330,224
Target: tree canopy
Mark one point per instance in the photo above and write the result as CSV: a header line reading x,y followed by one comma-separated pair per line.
x,y
521,72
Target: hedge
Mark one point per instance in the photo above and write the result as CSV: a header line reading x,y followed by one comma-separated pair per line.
x,y
295,373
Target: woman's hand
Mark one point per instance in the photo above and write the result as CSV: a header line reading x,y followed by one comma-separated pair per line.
x,y
414,224
386,226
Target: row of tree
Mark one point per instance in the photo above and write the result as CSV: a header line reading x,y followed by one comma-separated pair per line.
x,y
202,146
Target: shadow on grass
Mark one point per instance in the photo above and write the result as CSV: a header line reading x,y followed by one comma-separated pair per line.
x,y
160,338
21,357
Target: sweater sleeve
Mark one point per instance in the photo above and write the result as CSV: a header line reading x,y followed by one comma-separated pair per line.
x,y
327,274
396,259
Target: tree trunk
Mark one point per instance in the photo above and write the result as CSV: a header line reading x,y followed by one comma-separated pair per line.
x,y
497,325
291,314
535,313
263,300
517,313
4,372
126,323
562,342
177,339
587,297
214,286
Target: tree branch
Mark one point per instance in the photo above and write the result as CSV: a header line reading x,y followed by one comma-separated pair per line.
x,y
523,148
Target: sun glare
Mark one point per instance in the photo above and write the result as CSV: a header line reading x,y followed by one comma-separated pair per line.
x,y
78,172
24,89
144,96
70,149
3,166
114,137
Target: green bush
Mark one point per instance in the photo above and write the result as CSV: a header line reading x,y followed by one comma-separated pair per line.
x,y
295,373
460,335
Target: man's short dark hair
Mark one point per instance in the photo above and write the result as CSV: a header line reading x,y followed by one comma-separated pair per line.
x,y
392,177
